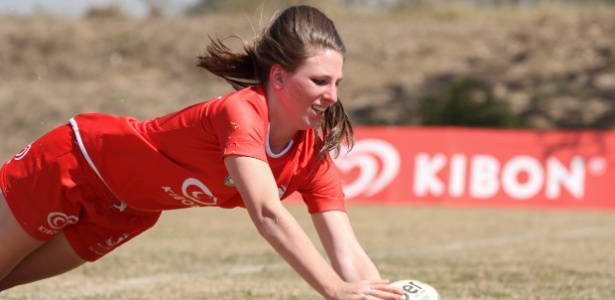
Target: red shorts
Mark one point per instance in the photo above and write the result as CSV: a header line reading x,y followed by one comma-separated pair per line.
x,y
50,187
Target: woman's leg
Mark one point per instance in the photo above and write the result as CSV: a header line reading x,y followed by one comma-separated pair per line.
x,y
24,259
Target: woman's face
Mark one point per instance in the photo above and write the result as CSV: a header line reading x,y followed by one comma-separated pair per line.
x,y
311,89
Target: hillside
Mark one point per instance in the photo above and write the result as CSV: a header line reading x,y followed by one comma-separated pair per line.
x,y
554,67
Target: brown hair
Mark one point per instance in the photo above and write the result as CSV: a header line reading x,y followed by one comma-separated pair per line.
x,y
288,40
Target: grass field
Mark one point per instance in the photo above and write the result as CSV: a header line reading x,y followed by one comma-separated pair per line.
x,y
465,253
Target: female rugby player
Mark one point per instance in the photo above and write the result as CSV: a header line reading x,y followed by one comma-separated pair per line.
x,y
89,186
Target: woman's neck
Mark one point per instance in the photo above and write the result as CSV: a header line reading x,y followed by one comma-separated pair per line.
x,y
281,130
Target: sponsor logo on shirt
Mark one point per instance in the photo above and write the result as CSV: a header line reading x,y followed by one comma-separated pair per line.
x,y
109,244
193,193
22,153
57,221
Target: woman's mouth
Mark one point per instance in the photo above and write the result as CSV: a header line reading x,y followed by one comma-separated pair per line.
x,y
320,110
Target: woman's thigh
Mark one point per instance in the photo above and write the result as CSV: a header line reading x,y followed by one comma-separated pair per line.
x,y
24,259
15,242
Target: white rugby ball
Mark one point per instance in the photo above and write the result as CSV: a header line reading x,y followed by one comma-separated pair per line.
x,y
417,290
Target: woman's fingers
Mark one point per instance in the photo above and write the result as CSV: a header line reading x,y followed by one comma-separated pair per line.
x,y
380,289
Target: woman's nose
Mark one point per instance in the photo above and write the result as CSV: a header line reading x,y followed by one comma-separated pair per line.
x,y
331,94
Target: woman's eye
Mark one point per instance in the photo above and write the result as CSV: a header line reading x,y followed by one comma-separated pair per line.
x,y
319,81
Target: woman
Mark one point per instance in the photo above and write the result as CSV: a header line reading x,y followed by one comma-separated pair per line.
x,y
91,185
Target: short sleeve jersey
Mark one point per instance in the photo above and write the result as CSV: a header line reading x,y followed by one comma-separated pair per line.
x,y
176,161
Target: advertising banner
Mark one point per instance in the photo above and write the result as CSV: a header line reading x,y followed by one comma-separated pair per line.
x,y
485,167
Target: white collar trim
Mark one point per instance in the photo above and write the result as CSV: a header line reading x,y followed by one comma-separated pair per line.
x,y
268,148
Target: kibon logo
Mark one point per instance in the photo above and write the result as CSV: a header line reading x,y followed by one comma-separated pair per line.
x,y
193,193
520,177
58,220
109,244
369,168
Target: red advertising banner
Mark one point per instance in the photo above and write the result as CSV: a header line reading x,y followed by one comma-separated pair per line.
x,y
461,166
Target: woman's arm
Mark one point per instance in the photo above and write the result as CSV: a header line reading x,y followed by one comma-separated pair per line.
x,y
258,189
346,254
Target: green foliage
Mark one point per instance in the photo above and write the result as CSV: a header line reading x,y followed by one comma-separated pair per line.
x,y
467,102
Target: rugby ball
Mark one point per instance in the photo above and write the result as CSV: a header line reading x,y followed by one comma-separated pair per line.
x,y
416,290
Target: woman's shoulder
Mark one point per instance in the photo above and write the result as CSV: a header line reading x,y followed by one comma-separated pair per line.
x,y
245,101
237,100
252,94
246,107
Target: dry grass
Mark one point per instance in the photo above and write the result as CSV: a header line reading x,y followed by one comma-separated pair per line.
x,y
465,253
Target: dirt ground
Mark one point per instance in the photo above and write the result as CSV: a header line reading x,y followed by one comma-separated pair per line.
x,y
554,65
464,253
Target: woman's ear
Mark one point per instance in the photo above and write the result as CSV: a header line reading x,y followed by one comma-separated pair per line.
x,y
277,76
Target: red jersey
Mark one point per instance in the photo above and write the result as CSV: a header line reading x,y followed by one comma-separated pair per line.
x,y
176,161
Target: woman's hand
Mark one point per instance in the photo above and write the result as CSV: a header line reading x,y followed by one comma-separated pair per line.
x,y
368,290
